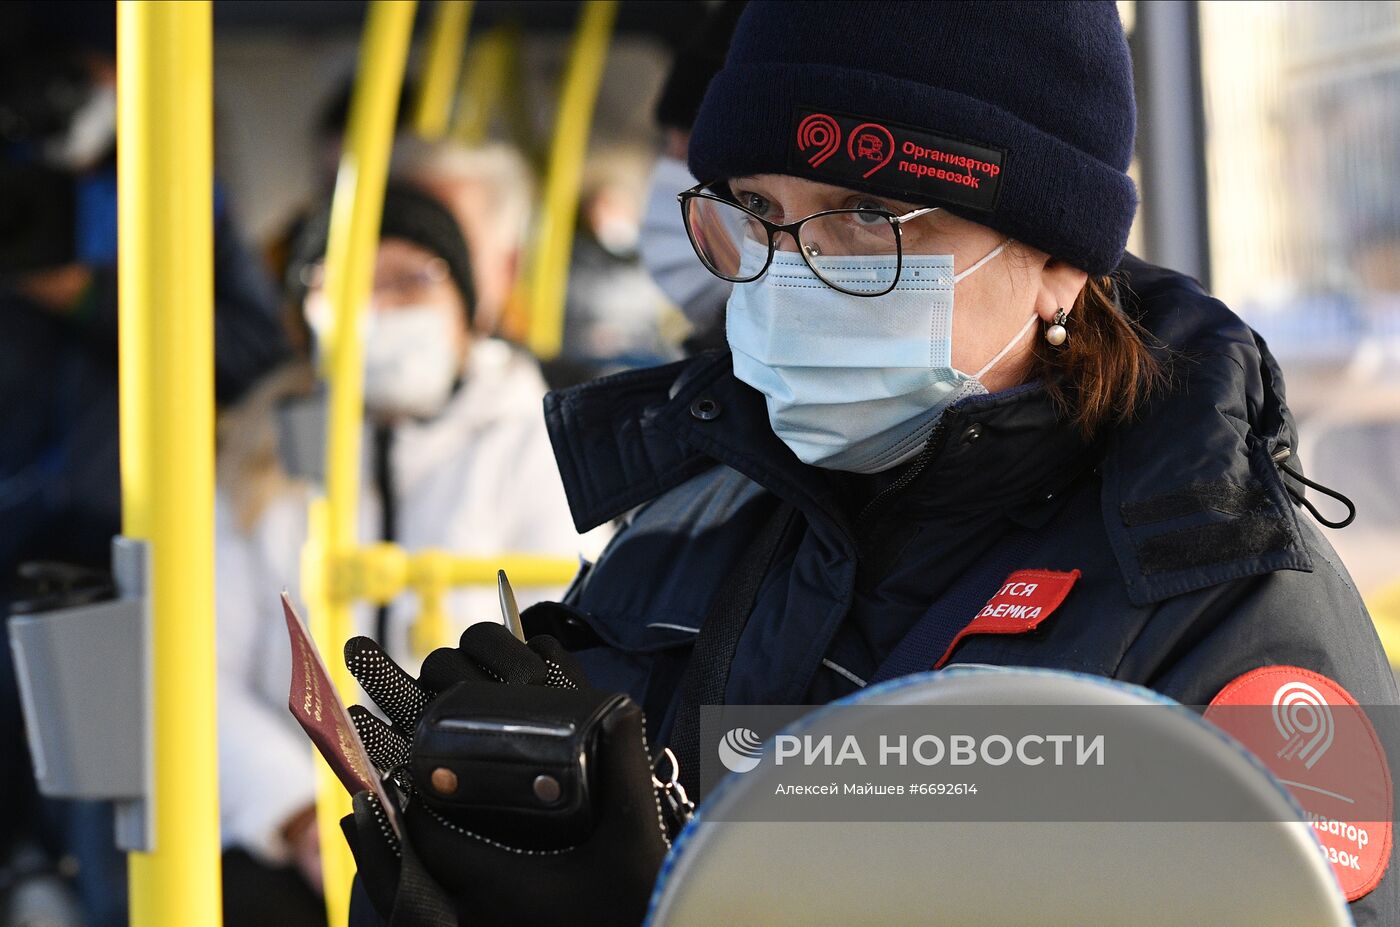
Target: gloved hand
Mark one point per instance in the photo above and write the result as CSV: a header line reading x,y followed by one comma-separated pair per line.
x,y
528,797
486,652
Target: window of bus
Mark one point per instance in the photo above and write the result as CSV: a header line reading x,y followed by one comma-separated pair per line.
x,y
1302,105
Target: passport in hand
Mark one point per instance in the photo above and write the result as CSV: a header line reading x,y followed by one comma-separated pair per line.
x,y
318,708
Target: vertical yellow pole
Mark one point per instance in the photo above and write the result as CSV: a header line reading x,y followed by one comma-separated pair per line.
x,y
480,93
492,80
432,111
356,209
166,228
1384,606
549,270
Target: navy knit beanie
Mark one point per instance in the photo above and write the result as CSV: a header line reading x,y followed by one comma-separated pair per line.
x,y
409,214
1016,115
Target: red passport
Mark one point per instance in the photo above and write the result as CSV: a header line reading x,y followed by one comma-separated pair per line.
x,y
318,708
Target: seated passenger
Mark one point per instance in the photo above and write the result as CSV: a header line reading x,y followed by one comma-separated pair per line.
x,y
456,457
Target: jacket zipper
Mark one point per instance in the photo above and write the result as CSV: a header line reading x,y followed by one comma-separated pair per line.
x,y
931,450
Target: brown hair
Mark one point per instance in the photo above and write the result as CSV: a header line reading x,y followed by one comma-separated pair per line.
x,y
1104,372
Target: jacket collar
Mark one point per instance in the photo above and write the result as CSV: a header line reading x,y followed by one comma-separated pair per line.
x,y
1191,494
999,451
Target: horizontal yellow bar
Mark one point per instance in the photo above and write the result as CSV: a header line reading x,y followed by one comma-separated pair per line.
x,y
524,570
380,572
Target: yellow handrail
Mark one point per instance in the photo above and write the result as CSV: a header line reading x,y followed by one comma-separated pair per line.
x,y
493,83
549,269
432,112
378,573
1384,606
356,209
166,228
482,87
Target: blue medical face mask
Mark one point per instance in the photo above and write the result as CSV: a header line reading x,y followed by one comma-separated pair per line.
x,y
668,255
852,383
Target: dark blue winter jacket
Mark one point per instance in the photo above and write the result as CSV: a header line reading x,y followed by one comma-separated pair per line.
x,y
1196,563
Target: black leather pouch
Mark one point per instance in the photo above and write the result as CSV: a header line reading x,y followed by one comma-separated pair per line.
x,y
512,763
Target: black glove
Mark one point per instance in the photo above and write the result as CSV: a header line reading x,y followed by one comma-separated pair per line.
x,y
528,797
486,653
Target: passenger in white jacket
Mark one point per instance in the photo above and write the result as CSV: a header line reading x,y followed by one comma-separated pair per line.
x,y
456,457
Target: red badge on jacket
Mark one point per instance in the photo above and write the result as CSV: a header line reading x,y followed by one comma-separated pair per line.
x,y
1319,743
1025,600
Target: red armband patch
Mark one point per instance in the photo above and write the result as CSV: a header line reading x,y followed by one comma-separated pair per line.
x,y
1315,738
1025,599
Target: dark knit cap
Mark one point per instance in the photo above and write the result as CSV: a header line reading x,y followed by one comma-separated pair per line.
x,y
1015,115
409,214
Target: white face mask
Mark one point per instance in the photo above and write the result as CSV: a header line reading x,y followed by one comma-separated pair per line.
x,y
411,360
91,132
668,255
852,383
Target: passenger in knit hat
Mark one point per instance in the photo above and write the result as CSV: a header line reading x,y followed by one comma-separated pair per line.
x,y
455,458
410,215
421,307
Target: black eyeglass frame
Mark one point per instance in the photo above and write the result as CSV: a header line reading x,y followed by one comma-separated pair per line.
x,y
795,230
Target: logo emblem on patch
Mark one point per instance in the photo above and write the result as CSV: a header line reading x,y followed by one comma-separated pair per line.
x,y
1318,742
838,147
1304,721
821,132
871,141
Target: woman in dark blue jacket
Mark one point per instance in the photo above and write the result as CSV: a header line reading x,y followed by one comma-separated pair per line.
x,y
956,424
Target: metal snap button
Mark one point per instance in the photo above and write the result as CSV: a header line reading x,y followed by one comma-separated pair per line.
x,y
705,409
547,789
973,433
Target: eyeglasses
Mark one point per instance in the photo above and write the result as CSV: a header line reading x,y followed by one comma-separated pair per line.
x,y
832,243
399,286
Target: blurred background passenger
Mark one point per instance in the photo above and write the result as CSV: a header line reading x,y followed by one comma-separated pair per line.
x,y
489,191
59,482
456,457
615,317
666,251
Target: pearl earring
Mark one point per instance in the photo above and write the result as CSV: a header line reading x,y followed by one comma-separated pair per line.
x,y
1056,333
